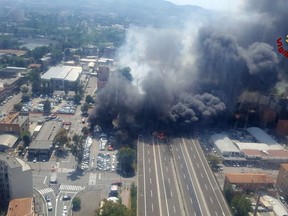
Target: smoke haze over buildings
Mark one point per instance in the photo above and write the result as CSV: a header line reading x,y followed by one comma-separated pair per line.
x,y
189,75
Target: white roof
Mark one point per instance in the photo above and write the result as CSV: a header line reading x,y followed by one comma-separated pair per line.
x,y
69,73
261,136
8,139
224,144
257,146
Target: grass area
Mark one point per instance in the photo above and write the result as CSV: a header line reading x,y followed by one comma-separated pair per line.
x,y
133,200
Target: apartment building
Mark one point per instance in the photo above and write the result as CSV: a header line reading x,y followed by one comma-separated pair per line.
x,y
13,171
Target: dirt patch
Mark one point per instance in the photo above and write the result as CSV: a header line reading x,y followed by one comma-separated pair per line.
x,y
125,196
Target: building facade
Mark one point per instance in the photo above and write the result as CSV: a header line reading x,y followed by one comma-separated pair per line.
x,y
282,179
12,170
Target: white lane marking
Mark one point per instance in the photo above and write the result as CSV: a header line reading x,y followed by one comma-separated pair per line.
x,y
148,152
194,156
176,149
165,158
211,200
151,193
198,165
216,213
184,175
174,208
149,170
169,180
167,169
171,193
44,180
206,187
150,181
178,157
201,175
99,176
144,186
181,165
152,207
187,187
148,160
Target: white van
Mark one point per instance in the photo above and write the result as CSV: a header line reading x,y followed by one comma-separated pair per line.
x,y
49,206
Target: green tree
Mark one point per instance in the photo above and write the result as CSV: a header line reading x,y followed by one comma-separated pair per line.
x,y
35,80
76,202
126,72
77,148
213,160
25,98
89,99
228,192
85,131
241,206
111,208
126,157
77,98
133,196
85,108
17,107
47,107
61,137
26,138
24,90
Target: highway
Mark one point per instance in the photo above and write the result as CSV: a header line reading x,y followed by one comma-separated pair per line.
x,y
174,178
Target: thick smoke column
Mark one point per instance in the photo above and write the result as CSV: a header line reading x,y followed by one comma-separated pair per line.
x,y
191,75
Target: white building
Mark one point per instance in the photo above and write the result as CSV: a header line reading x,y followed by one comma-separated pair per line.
x,y
225,146
63,76
15,179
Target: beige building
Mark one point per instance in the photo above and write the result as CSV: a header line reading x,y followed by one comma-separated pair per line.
x,y
12,170
282,179
21,207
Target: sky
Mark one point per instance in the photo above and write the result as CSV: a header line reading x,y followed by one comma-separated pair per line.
x,y
219,5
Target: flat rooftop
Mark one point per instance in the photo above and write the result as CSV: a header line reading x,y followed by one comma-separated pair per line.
x,y
261,136
69,73
21,207
49,131
14,162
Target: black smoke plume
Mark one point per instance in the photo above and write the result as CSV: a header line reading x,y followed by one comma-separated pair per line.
x,y
193,75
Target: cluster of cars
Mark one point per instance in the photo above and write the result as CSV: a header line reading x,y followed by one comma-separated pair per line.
x,y
86,153
106,162
5,101
67,108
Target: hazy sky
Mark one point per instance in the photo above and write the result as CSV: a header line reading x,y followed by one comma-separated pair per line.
x,y
223,5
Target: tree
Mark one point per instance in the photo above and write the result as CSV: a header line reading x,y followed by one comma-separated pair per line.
x,y
228,192
24,90
26,137
77,148
18,107
76,202
241,206
61,137
25,98
133,197
126,157
47,107
85,108
85,131
126,72
77,98
213,160
89,99
111,208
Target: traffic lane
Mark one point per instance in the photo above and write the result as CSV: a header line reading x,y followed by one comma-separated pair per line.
x,y
152,202
62,202
202,176
218,195
215,207
170,181
185,180
160,181
141,207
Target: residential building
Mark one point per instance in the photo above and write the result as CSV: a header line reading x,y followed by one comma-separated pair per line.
x,y
13,169
21,207
282,179
15,123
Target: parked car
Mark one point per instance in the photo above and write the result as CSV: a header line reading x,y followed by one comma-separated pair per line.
x,y
66,197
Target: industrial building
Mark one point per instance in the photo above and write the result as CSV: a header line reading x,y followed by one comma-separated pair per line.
x,y
249,181
225,146
63,77
11,170
41,148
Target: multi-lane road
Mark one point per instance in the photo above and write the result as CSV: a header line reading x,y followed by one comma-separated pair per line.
x,y
174,178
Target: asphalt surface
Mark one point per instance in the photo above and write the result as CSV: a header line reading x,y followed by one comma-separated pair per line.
x,y
174,178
